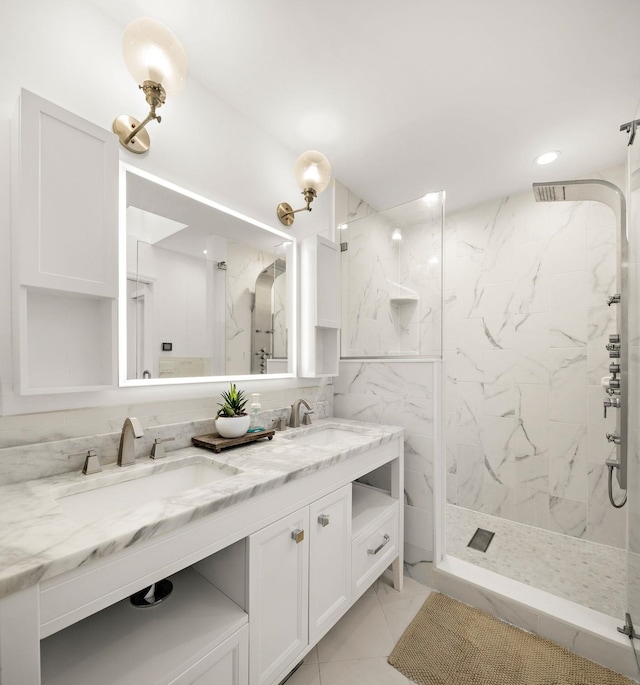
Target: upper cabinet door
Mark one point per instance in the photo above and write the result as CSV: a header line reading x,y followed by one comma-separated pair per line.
x,y
65,201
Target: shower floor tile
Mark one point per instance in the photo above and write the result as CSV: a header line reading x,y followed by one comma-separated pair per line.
x,y
584,572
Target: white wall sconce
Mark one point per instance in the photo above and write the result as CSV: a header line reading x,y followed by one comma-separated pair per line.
x,y
313,173
397,234
158,63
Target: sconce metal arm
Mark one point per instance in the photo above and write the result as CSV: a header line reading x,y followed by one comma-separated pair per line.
x,y
286,212
156,97
150,117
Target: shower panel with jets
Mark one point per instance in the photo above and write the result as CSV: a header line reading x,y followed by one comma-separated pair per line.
x,y
616,383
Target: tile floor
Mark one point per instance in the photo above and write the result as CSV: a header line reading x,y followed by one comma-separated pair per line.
x,y
355,651
568,567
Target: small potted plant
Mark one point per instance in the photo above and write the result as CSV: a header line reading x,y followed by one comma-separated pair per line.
x,y
231,420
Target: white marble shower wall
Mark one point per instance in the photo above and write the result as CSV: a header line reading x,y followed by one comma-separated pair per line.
x,y
392,288
401,393
526,323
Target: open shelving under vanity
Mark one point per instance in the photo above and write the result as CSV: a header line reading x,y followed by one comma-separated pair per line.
x,y
195,631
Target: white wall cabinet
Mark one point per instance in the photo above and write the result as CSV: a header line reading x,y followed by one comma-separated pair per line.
x,y
64,231
319,307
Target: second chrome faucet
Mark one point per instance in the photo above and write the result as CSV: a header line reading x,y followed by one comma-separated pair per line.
x,y
131,429
294,418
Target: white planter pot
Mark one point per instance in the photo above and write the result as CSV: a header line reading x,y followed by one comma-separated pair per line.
x,y
232,426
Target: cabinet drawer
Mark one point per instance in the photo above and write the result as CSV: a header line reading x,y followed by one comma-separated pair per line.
x,y
373,550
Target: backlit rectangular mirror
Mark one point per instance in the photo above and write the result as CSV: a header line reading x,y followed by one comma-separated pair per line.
x,y
206,293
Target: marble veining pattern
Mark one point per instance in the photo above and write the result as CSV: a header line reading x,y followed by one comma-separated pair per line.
x,y
391,302
402,393
526,324
38,541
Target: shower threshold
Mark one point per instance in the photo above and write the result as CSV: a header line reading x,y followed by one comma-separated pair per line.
x,y
584,631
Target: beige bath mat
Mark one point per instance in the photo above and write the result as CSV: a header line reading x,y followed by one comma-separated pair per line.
x,y
450,643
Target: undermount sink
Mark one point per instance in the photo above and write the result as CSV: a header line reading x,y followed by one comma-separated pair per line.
x,y
328,436
103,497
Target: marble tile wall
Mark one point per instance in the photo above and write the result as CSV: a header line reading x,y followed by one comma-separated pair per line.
x,y
526,322
391,288
400,393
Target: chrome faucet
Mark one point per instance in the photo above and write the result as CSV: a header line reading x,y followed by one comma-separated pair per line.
x,y
294,418
131,429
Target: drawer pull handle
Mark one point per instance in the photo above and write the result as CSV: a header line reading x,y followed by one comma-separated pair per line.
x,y
323,520
380,546
297,535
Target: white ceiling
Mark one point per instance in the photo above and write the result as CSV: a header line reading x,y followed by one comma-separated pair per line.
x,y
407,96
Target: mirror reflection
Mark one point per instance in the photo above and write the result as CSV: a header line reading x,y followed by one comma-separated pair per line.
x,y
208,290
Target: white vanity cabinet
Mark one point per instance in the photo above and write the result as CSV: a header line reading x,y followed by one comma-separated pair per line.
x,y
64,235
257,584
300,576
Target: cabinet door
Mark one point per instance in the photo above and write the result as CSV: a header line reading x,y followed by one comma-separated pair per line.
x,y
65,201
328,283
278,596
329,560
319,307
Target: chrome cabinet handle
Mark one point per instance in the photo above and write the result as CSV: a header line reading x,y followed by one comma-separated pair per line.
x,y
323,520
297,535
380,546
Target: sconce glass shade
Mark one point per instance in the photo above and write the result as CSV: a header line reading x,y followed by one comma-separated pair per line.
x,y
153,53
312,170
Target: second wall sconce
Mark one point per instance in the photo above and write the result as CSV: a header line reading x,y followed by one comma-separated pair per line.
x,y
313,173
158,63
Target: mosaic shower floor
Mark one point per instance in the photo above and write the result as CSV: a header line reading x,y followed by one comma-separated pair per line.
x,y
588,573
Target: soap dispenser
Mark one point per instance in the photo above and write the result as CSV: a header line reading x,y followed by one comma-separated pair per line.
x,y
256,407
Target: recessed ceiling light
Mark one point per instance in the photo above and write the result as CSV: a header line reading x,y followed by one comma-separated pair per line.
x,y
431,198
547,157
204,252
341,227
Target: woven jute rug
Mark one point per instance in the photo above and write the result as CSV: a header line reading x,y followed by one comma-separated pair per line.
x,y
450,643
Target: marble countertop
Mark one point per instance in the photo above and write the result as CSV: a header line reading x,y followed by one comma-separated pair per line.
x,y
38,540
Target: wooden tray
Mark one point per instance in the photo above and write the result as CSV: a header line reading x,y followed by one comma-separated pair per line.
x,y
214,442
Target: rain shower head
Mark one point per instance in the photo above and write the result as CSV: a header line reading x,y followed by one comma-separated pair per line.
x,y
547,192
592,189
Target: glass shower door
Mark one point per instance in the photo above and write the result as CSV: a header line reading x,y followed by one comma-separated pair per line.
x,y
633,474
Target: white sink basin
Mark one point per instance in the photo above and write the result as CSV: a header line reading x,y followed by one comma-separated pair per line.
x,y
104,497
330,436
